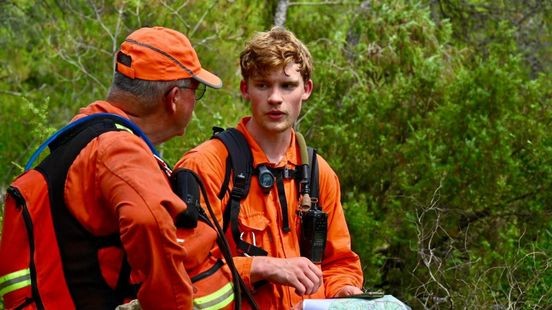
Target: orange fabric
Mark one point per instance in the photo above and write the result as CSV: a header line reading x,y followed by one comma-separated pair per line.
x,y
260,214
15,247
116,186
202,242
161,54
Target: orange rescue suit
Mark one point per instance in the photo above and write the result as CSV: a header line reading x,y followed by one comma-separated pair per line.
x,y
260,220
115,185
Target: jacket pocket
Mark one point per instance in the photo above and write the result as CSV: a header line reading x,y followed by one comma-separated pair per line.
x,y
254,229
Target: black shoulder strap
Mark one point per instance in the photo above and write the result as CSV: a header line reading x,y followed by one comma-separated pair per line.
x,y
78,247
240,156
188,186
228,172
241,160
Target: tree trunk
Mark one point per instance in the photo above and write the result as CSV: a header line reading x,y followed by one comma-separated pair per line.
x,y
280,14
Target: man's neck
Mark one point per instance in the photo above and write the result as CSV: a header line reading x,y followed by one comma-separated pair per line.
x,y
274,145
150,123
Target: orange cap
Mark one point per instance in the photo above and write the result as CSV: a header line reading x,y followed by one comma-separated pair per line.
x,y
161,54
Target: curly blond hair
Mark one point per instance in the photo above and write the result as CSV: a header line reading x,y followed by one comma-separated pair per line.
x,y
274,49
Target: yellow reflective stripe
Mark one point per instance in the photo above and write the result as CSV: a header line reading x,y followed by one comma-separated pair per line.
x,y
14,281
222,303
119,126
15,286
222,291
216,300
13,275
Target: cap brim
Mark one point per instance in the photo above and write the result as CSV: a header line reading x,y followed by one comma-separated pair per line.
x,y
208,79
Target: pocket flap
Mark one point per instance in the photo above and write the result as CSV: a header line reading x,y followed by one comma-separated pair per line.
x,y
253,222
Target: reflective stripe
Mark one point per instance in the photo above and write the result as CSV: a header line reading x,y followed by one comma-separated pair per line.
x,y
14,281
216,300
119,126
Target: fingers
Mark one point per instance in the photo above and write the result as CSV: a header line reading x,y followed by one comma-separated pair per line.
x,y
348,290
297,272
306,277
313,279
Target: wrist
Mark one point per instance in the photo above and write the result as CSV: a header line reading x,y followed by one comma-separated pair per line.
x,y
258,267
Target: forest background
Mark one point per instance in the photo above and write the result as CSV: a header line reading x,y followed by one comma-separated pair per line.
x,y
435,114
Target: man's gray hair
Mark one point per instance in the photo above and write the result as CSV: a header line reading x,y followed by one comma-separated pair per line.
x,y
148,93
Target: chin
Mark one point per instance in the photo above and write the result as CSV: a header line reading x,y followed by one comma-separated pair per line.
x,y
280,128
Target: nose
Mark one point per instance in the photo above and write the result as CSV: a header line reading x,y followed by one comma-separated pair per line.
x,y
275,96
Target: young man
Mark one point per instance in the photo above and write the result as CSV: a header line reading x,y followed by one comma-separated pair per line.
x,y
116,185
276,69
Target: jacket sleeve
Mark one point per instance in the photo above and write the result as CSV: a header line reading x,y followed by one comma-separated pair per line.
x,y
132,183
340,266
208,161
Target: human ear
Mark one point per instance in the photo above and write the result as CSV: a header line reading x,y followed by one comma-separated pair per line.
x,y
309,85
171,99
244,89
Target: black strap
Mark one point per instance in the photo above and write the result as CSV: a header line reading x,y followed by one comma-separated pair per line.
x,y
20,200
242,168
226,182
78,247
184,185
283,202
224,187
240,161
239,285
281,174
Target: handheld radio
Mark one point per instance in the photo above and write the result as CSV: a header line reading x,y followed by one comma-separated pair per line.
x,y
314,228
314,222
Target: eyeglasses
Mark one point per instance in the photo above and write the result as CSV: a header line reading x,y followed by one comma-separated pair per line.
x,y
199,90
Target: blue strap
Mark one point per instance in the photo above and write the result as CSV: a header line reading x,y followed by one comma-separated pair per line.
x,y
118,119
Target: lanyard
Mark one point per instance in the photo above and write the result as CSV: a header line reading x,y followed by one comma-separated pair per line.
x,y
163,165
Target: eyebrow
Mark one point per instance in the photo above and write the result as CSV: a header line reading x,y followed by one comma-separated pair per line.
x,y
266,79
294,82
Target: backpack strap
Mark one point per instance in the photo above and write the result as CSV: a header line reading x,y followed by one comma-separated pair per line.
x,y
242,166
240,160
78,247
283,201
80,250
188,186
226,181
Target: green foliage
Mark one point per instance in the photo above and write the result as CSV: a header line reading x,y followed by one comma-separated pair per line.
x,y
435,115
370,239
423,115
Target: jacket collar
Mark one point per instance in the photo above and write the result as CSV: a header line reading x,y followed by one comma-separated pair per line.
x,y
292,156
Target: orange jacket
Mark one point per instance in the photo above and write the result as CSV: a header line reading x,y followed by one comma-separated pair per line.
x,y
115,185
260,215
